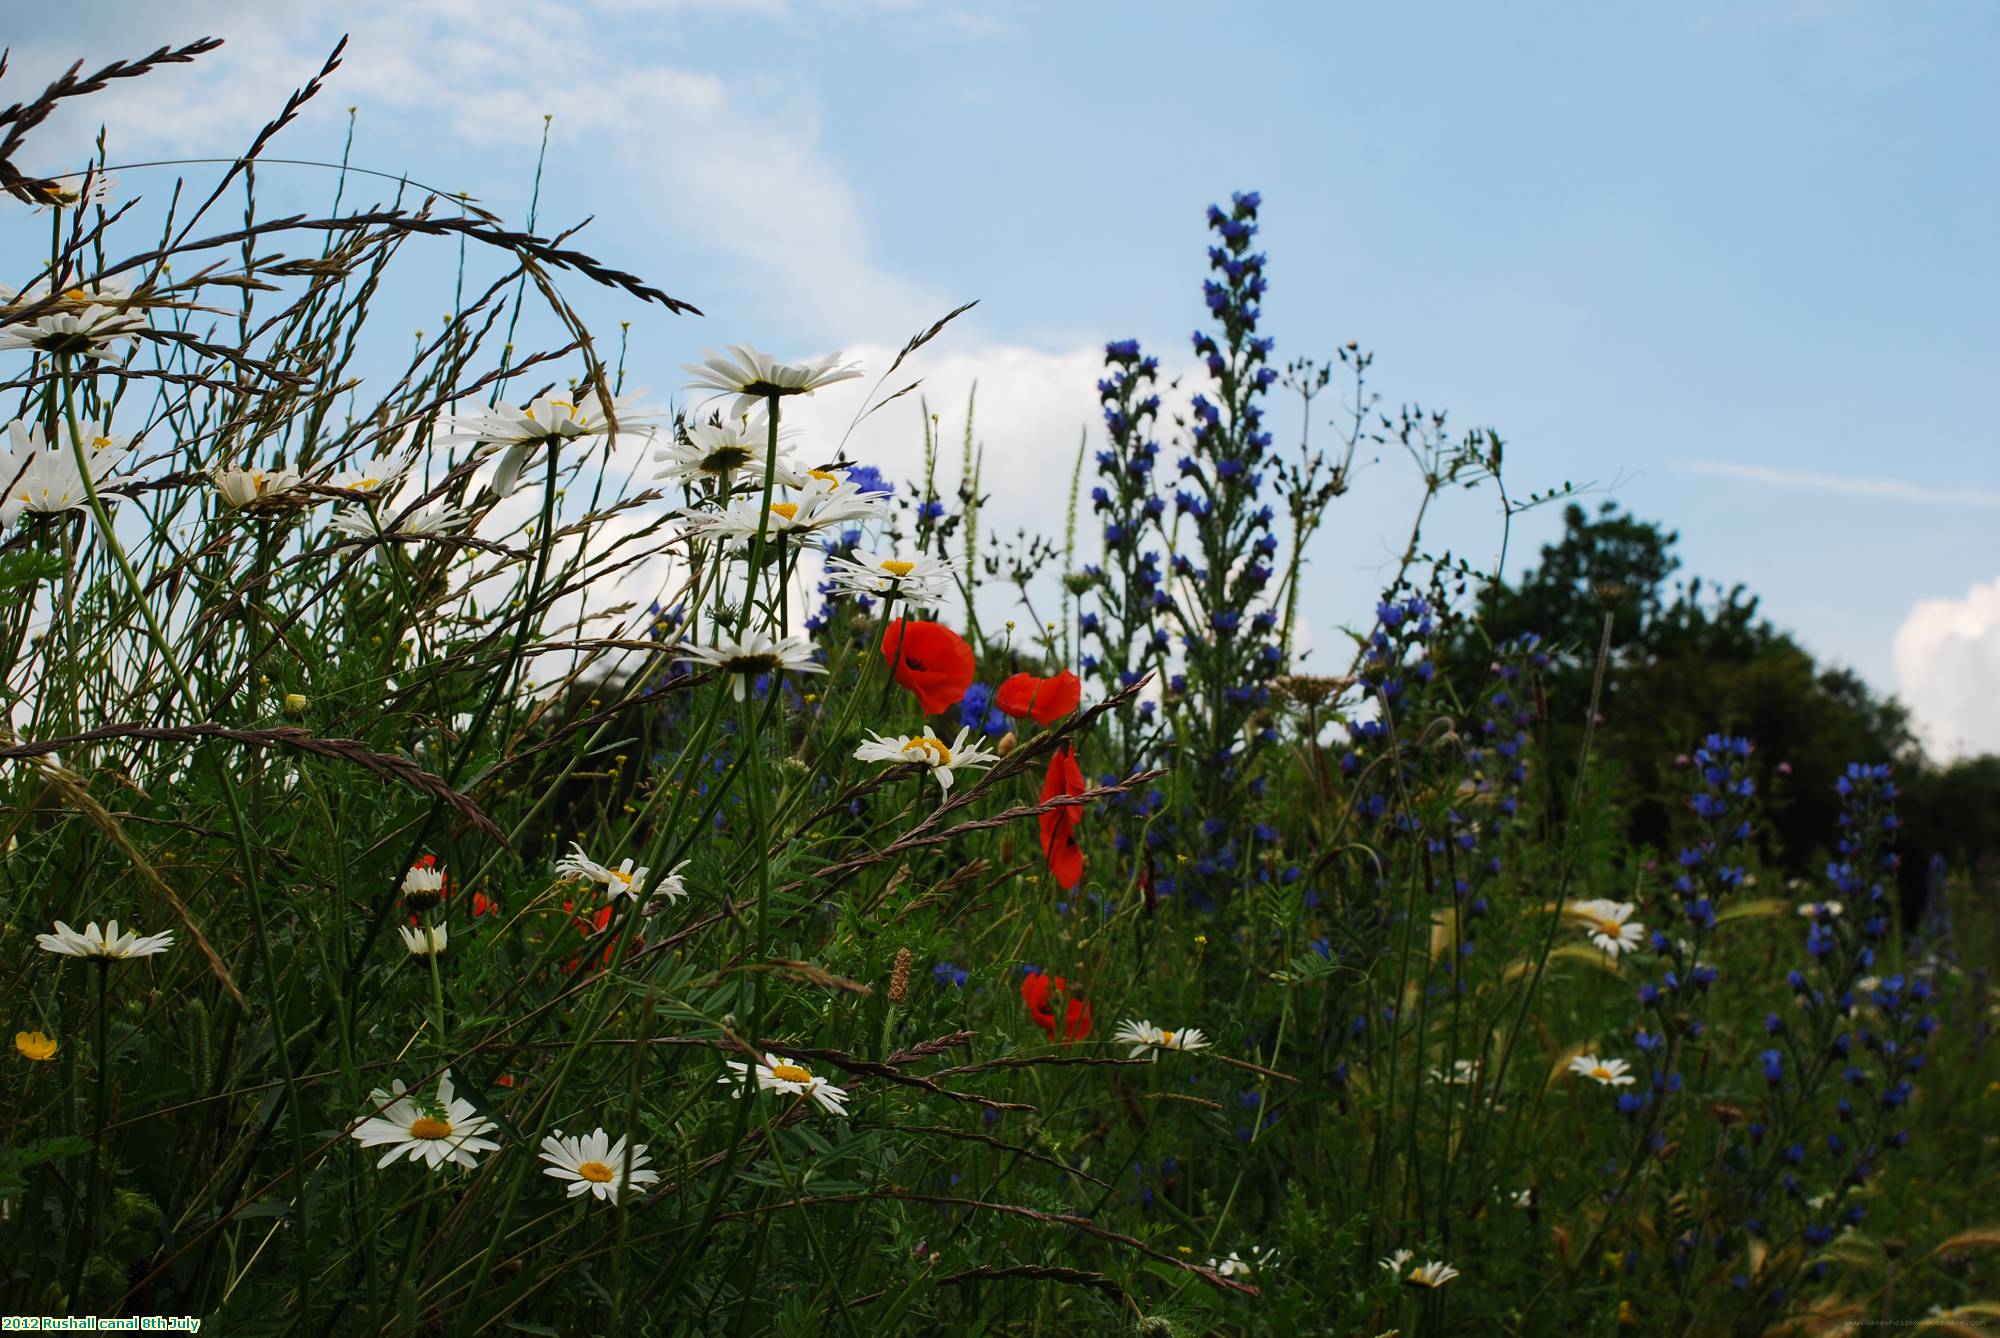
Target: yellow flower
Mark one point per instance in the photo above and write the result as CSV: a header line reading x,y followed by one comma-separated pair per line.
x,y
34,1045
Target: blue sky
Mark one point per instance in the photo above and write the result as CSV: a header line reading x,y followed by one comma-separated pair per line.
x,y
1731,263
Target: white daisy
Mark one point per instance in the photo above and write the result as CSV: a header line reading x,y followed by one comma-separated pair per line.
x,y
720,448
1433,1274
41,477
75,189
106,942
1610,1072
623,881
446,1129
752,376
921,582
370,476
425,940
549,419
778,1074
1145,1038
942,758
1236,1266
667,891
816,507
593,1164
1609,924
253,487
756,654
82,327
1464,1073
424,882
1394,1261
1820,910
437,517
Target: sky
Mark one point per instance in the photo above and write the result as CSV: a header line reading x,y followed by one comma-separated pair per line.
x,y
1728,265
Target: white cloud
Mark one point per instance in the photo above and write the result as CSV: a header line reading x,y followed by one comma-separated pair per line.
x,y
1948,670
1895,490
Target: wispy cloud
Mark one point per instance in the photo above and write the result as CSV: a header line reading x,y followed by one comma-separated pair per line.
x,y
1894,490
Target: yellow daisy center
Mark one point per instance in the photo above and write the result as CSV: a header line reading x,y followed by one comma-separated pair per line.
x,y
1166,1038
789,510
790,1073
621,876
939,755
897,567
426,1127
1610,927
596,1172
1602,1074
823,476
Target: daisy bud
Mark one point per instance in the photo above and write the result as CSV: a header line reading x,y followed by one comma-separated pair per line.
x,y
899,978
295,703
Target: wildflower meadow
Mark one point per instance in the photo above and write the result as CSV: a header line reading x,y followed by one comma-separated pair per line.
x,y
889,924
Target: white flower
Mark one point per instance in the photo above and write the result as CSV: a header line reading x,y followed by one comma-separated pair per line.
x,y
721,448
1464,1072
88,320
921,582
1820,910
669,890
425,940
752,376
370,476
254,487
549,419
1433,1274
75,189
1235,1266
107,942
1145,1038
41,477
623,881
777,1074
593,1164
1610,1072
1393,1263
942,758
1609,924
447,1129
436,518
425,880
1524,1198
818,507
756,654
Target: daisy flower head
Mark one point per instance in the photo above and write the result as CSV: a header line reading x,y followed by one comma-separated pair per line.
x,y
1820,910
942,758
921,582
106,943
81,325
429,520
547,419
756,654
775,1073
1610,1072
753,376
594,1164
41,478
425,940
670,889
424,884
1432,1274
74,190
432,1130
1609,924
1464,1073
721,447
1145,1038
1236,1266
623,881
35,1045
370,476
253,488
1393,1261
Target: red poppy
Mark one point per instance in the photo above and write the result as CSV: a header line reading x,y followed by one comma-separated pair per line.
x,y
930,660
1036,987
1046,699
1059,845
484,905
